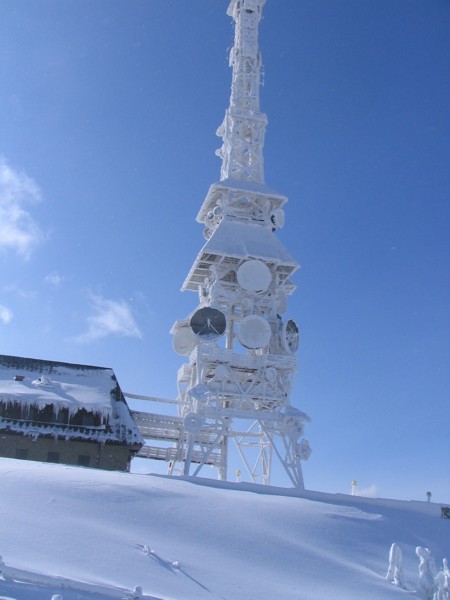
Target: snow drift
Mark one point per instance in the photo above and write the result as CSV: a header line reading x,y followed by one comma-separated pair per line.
x,y
91,534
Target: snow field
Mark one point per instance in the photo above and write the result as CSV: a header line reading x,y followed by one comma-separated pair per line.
x,y
205,539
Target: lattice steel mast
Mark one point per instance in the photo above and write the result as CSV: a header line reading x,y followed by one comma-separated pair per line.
x,y
244,126
236,385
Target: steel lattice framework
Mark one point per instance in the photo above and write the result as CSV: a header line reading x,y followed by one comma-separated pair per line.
x,y
234,390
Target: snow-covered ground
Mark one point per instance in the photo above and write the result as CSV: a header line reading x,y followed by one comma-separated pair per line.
x,y
89,535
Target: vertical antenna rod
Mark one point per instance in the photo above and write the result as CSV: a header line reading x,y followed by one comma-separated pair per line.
x,y
244,126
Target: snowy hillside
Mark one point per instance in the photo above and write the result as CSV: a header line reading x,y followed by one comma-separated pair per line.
x,y
90,535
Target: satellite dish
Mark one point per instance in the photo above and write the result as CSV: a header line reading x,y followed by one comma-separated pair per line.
x,y
208,323
277,218
192,422
270,374
184,341
304,450
290,336
254,332
254,276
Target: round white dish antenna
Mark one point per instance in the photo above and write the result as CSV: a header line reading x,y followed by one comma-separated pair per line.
x,y
254,332
270,374
208,323
184,341
193,422
254,276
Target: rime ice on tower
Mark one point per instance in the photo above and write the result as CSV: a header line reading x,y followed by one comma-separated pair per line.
x,y
234,390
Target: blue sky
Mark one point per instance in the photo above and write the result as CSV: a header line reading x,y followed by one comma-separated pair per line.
x,y
108,113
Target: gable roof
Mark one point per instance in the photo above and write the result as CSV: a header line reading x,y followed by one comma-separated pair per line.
x,y
39,383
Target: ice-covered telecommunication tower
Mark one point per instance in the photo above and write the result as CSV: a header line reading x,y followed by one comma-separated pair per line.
x,y
234,390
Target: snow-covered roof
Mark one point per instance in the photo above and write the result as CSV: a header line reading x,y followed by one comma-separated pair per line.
x,y
240,241
30,381
247,240
219,187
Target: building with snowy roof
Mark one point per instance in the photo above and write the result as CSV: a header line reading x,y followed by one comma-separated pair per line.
x,y
65,413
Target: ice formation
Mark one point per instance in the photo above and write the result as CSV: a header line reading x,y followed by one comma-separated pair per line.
x,y
442,581
427,573
395,570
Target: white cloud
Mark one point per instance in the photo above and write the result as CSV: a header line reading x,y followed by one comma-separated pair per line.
x,y
54,279
111,317
5,315
14,288
18,230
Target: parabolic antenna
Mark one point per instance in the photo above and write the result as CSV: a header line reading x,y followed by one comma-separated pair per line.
x,y
184,341
254,332
277,217
270,374
290,336
208,323
192,422
254,276
304,450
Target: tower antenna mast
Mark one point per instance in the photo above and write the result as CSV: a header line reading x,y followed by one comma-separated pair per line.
x,y
234,390
244,126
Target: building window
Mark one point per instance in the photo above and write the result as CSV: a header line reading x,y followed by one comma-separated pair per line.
x,y
53,457
62,416
11,410
85,418
83,460
42,414
21,453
